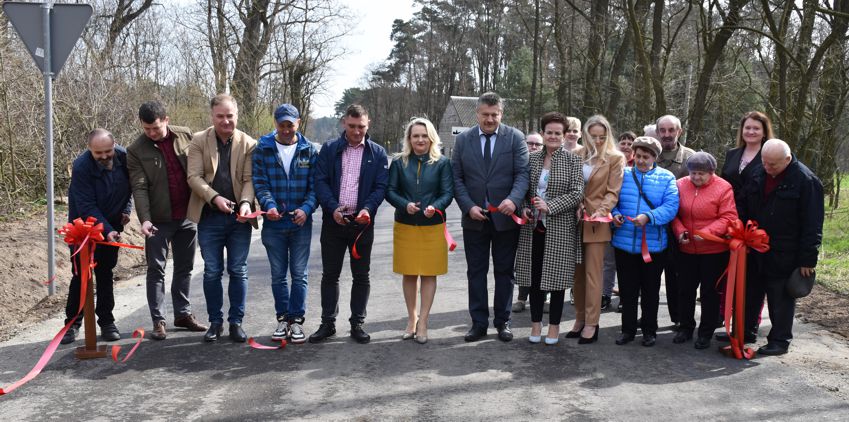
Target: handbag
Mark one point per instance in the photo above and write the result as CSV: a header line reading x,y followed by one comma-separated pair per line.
x,y
799,286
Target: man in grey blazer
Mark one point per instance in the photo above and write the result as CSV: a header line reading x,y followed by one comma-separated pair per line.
x,y
490,163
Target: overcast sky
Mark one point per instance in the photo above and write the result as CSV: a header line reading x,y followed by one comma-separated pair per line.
x,y
367,44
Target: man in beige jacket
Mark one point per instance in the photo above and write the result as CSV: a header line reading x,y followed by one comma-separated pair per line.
x,y
219,174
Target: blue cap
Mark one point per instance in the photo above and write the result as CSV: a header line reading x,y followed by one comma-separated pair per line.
x,y
286,112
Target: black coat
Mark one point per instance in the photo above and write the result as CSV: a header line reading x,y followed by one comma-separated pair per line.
x,y
792,216
731,173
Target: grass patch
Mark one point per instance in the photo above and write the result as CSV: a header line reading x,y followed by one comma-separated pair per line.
x,y
833,266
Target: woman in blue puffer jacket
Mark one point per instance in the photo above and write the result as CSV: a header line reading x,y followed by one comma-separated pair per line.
x,y
648,202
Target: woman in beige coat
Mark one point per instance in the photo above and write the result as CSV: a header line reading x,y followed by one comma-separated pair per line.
x,y
602,170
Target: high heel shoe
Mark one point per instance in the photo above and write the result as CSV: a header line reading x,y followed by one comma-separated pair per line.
x,y
420,339
411,335
574,334
593,339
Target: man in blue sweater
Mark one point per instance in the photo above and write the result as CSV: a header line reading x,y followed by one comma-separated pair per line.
x,y
100,188
283,167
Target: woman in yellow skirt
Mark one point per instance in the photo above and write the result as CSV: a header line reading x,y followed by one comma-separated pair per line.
x,y
421,186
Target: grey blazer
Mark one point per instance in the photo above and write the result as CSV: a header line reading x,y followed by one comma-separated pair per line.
x,y
506,178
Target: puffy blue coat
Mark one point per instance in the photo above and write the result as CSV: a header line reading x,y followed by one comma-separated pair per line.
x,y
660,188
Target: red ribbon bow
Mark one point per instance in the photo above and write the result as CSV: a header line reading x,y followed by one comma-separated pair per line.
x,y
739,239
86,235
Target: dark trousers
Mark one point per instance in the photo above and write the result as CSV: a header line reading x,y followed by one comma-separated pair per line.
x,y
537,295
782,307
106,258
335,241
639,281
477,245
699,272
523,293
670,278
755,292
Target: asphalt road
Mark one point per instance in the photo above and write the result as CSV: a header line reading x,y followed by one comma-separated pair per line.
x,y
445,379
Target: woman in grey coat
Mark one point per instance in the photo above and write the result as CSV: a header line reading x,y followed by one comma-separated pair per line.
x,y
549,245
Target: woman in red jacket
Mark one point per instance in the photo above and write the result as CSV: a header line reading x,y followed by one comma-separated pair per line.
x,y
706,204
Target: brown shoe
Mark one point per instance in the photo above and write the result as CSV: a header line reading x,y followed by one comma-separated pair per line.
x,y
159,332
190,323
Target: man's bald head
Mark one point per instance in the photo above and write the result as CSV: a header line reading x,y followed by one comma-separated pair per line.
x,y
101,144
776,156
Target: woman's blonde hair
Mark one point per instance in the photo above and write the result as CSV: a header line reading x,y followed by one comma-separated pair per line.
x,y
609,146
435,152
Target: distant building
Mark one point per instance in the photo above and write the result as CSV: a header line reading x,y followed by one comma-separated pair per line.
x,y
459,116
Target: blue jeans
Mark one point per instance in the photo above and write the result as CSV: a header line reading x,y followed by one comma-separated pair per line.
x,y
288,251
217,231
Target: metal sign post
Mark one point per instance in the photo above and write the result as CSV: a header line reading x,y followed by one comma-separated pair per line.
x,y
49,42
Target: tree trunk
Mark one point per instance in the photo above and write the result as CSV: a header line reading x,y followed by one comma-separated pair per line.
x,y
713,53
595,48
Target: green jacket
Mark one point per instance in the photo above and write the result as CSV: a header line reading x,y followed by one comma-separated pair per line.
x,y
149,177
418,181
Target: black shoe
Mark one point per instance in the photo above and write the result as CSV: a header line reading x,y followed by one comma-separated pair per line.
x,y
772,349
605,302
574,334
624,338
748,337
237,334
70,335
682,336
702,343
475,334
360,335
504,333
110,332
649,340
593,339
214,332
325,331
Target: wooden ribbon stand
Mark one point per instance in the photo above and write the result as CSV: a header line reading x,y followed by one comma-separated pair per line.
x,y
91,350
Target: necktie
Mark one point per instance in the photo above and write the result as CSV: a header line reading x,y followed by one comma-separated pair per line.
x,y
487,153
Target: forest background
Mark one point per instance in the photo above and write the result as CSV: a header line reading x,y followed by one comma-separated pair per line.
x,y
708,62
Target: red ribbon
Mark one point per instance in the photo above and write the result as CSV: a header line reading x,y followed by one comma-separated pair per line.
x,y
354,253
80,233
255,214
448,238
138,333
739,240
607,219
519,220
253,343
644,248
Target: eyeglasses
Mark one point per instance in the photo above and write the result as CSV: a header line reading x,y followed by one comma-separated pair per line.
x,y
535,143
599,138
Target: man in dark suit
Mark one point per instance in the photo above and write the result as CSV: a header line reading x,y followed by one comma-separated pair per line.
x,y
786,199
490,164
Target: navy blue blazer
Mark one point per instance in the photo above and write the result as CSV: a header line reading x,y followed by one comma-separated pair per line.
x,y
507,176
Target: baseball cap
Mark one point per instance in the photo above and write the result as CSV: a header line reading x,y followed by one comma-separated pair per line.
x,y
286,112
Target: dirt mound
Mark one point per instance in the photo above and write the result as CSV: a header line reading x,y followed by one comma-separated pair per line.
x,y
23,269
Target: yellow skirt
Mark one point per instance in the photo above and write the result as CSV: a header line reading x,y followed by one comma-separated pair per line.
x,y
419,250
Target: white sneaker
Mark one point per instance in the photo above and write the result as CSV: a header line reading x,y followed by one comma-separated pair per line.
x,y
296,333
282,331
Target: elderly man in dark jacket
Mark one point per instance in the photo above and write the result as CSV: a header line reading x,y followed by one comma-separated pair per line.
x,y
100,188
786,199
